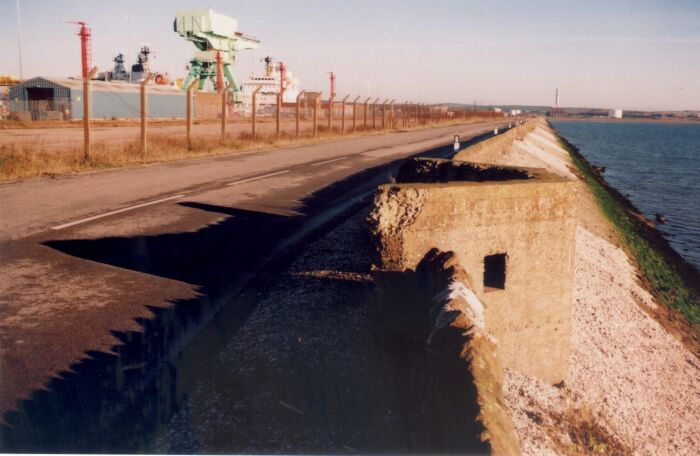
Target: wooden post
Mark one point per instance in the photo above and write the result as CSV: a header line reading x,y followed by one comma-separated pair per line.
x,y
279,115
354,113
391,114
330,114
144,113
298,113
253,116
86,114
224,111
384,112
318,96
188,113
365,113
342,116
374,113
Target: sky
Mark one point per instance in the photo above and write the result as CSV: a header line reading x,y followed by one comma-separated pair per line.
x,y
636,54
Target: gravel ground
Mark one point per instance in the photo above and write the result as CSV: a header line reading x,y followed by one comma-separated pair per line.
x,y
307,372
639,382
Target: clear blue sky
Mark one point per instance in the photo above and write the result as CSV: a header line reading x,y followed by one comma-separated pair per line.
x,y
635,54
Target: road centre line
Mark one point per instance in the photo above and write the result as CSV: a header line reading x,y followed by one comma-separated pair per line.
x,y
258,177
118,211
329,161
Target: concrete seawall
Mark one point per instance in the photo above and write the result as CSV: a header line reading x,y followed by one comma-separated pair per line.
x,y
513,223
559,299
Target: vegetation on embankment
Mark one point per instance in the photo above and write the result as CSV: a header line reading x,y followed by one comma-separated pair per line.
x,y
21,160
672,280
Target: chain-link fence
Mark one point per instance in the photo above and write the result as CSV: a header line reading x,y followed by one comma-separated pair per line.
x,y
150,126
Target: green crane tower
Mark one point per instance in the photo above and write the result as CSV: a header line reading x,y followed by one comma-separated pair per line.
x,y
217,40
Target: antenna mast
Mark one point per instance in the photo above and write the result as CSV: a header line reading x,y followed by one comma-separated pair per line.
x,y
19,44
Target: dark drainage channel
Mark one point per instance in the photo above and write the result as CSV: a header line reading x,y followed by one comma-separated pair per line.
x,y
131,400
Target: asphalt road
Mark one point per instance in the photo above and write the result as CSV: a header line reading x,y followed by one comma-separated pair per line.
x,y
95,266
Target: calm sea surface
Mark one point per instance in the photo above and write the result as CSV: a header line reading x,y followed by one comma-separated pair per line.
x,y
656,165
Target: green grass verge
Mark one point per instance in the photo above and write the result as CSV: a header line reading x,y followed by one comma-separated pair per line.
x,y
673,280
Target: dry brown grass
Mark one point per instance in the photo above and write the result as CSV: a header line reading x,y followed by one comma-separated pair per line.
x,y
78,123
27,160
577,431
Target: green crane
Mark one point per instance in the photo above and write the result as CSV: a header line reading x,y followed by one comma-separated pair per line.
x,y
217,40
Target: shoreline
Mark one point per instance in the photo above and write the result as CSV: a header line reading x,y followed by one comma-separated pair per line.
x,y
623,120
665,288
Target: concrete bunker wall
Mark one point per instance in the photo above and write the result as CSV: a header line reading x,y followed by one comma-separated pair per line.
x,y
529,221
492,149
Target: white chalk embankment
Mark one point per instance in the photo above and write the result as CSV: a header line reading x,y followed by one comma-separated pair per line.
x,y
630,381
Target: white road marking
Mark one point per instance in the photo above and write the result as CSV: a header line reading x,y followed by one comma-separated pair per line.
x,y
329,161
118,211
258,177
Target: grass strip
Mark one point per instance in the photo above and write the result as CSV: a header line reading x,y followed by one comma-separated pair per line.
x,y
672,280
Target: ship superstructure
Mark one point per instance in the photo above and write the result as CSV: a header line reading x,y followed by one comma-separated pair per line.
x,y
274,79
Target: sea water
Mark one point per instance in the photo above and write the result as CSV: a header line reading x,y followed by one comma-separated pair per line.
x,y
655,165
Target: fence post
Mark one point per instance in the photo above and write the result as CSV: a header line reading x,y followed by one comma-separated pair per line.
x,y
342,116
254,111
316,98
279,114
86,114
330,113
188,113
354,113
374,113
391,114
298,115
365,111
144,113
384,112
224,111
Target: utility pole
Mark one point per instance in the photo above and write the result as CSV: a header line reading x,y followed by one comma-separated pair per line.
x,y
19,44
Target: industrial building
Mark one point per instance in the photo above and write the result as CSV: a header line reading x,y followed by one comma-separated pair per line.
x,y
61,99
615,114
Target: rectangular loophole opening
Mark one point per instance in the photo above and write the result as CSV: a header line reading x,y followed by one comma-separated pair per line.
x,y
495,272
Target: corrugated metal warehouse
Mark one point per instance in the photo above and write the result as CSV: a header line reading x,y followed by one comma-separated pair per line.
x,y
52,98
